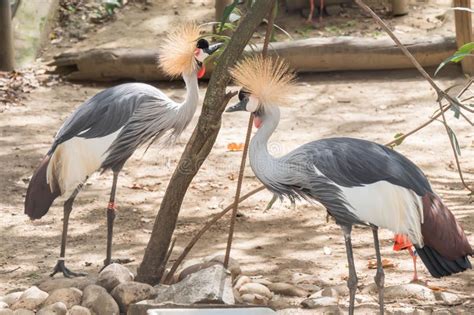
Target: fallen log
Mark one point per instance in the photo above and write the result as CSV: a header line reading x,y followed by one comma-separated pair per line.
x,y
307,55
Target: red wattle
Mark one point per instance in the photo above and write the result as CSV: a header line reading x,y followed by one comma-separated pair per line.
x,y
201,72
257,122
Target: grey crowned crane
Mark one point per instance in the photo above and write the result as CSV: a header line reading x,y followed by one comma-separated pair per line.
x,y
357,181
105,131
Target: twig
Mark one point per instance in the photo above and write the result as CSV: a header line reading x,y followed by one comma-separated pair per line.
x,y
441,94
246,145
9,271
206,227
168,255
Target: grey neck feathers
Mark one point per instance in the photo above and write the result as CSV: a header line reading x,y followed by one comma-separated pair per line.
x,y
188,107
263,164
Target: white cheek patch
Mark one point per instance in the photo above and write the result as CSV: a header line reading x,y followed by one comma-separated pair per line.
x,y
200,55
252,104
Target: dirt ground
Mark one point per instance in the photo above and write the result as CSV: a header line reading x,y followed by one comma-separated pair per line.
x,y
277,244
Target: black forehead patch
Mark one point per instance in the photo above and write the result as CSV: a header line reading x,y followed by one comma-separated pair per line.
x,y
243,93
202,43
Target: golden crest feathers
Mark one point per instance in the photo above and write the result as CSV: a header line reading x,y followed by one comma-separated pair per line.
x,y
176,55
269,79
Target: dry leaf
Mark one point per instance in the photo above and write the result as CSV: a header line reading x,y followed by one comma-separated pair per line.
x,y
386,263
234,147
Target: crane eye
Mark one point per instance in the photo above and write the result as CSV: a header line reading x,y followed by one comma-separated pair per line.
x,y
202,43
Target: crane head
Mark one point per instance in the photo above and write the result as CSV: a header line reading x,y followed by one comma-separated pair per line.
x,y
202,51
250,103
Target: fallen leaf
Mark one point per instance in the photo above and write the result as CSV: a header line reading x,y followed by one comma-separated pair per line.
x,y
386,263
234,147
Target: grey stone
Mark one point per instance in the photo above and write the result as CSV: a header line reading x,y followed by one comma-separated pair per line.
x,y
69,296
409,290
233,266
210,285
449,299
30,299
287,289
253,298
3,305
328,303
370,289
113,275
23,311
195,268
79,310
131,292
6,311
255,288
57,283
12,297
58,308
263,281
97,299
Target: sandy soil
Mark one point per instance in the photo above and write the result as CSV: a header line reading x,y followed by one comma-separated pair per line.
x,y
276,244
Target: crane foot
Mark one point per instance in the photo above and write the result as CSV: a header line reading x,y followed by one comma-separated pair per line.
x,y
60,267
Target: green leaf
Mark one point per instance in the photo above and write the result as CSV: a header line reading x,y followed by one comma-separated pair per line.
x,y
270,204
463,51
454,139
226,14
398,139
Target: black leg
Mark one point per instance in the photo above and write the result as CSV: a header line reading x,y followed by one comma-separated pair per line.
x,y
110,220
60,265
352,280
379,276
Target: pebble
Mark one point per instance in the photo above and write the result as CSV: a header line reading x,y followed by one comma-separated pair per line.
x,y
113,275
79,310
321,302
57,283
30,299
255,288
97,299
450,299
409,290
240,281
12,297
131,292
68,296
255,299
287,289
233,266
58,308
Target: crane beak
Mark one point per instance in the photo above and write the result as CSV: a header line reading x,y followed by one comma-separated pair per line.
x,y
212,48
240,106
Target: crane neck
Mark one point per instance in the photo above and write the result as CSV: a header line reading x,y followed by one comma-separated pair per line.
x,y
188,107
261,161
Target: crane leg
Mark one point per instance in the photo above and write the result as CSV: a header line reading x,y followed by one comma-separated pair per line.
x,y
60,265
110,220
311,12
379,276
321,9
352,280
413,256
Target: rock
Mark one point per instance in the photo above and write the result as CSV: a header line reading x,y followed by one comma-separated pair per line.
x,y
449,299
160,289
364,299
263,281
97,299
409,290
58,308
6,311
30,299
256,288
309,287
3,305
131,292
329,303
257,299
241,280
195,268
12,297
69,296
57,283
79,310
287,289
23,311
326,292
113,275
233,266
341,289
404,310
211,285
370,289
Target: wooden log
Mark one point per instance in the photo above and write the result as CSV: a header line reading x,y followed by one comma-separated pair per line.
x,y
308,55
463,22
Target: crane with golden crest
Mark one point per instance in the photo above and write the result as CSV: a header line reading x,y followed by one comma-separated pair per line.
x,y
104,132
357,181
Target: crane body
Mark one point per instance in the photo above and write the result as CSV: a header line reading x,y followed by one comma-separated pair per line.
x,y
357,181
104,132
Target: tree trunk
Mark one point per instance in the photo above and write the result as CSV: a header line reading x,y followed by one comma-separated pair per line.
x,y
6,37
198,147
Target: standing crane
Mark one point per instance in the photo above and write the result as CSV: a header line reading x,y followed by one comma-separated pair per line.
x,y
357,181
105,131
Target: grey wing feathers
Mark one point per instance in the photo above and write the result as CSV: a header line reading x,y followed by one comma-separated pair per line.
x,y
106,112
353,162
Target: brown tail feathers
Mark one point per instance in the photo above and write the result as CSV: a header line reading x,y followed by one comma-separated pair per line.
x,y
446,247
39,196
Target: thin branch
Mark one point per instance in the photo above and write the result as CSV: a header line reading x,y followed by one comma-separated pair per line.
x,y
9,271
270,23
206,227
441,94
